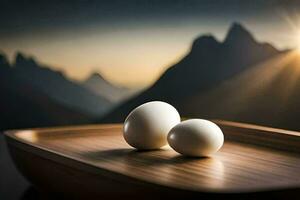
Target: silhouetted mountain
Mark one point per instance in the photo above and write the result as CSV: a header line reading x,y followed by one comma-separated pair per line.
x,y
238,36
3,62
99,85
267,94
57,87
23,106
207,65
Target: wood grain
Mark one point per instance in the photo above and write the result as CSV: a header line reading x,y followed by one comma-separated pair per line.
x,y
261,136
99,160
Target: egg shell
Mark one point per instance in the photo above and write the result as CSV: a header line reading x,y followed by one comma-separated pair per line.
x,y
148,125
196,137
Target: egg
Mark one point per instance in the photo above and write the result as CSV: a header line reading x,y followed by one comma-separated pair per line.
x,y
147,126
196,137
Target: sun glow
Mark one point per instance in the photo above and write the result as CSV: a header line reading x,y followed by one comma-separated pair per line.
x,y
293,20
297,41
298,44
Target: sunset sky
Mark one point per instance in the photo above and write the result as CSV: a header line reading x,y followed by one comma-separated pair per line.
x,y
132,42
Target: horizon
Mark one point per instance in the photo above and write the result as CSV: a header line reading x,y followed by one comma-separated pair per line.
x,y
11,59
146,43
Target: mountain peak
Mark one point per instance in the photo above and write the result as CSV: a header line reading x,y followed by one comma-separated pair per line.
x,y
238,34
96,78
19,57
204,42
22,60
3,59
95,75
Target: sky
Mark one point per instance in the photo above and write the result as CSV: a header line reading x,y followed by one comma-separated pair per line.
x,y
132,42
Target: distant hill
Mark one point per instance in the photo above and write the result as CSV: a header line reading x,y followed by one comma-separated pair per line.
x,y
206,66
99,85
56,86
23,106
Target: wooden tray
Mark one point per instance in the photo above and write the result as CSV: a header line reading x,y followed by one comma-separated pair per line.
x,y
94,161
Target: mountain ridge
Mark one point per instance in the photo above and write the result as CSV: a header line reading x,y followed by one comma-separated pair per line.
x,y
208,63
99,85
236,33
58,87
23,106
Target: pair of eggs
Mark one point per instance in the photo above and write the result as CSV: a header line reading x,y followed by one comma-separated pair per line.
x,y
154,124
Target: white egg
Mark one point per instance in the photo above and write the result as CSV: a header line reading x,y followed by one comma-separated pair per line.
x,y
196,137
148,125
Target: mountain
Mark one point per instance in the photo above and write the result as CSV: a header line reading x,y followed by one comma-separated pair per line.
x,y
58,88
267,94
99,85
207,65
23,106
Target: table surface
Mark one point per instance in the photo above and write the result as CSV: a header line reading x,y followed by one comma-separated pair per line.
x,y
237,167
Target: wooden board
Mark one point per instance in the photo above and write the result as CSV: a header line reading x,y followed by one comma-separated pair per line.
x,y
94,161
